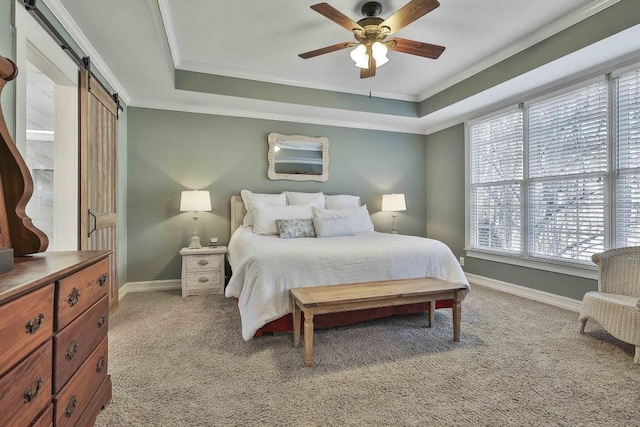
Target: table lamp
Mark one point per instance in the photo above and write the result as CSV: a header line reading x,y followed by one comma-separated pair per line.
x,y
393,203
196,201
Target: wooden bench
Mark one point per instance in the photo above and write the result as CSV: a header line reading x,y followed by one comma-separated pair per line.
x,y
359,296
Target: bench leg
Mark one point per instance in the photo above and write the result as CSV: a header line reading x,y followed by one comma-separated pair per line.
x,y
295,312
432,313
457,314
308,337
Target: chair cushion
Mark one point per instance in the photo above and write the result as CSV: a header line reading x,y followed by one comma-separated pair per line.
x,y
615,298
618,314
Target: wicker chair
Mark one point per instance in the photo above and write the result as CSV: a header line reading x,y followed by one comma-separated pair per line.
x,y
616,304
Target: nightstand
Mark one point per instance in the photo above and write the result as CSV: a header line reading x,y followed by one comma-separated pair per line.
x,y
203,270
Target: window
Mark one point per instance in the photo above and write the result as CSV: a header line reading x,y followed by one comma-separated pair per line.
x,y
567,173
627,94
496,179
558,178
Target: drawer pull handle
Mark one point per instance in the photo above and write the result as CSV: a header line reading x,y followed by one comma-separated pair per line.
x,y
74,296
72,350
203,262
33,325
203,279
101,321
100,365
71,406
102,280
32,392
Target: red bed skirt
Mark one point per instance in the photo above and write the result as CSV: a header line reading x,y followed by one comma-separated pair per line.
x,y
331,320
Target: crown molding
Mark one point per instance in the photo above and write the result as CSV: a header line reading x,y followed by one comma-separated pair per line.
x,y
167,23
317,120
61,14
544,33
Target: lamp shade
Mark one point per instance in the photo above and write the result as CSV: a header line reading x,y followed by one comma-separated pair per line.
x,y
195,200
393,202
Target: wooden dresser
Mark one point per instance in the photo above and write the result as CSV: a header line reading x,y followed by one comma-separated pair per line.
x,y
54,315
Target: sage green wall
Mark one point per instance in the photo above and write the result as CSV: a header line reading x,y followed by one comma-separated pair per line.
x,y
445,176
173,151
445,188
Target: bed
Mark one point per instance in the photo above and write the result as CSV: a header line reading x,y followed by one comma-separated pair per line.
x,y
265,267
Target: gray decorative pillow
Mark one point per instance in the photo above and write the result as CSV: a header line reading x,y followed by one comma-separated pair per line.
x,y
332,227
292,228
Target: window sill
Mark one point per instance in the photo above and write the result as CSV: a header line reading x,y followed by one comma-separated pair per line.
x,y
555,267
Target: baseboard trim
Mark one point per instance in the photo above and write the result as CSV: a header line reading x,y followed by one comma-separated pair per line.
x,y
510,288
524,292
148,286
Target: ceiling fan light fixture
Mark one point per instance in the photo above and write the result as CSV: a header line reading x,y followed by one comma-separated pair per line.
x,y
379,52
359,56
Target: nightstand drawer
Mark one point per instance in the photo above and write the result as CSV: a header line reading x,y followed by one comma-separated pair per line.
x,y
203,262
203,279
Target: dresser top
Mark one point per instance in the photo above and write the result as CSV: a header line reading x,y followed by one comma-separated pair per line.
x,y
32,272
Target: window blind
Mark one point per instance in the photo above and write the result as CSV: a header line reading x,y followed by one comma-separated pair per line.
x,y
567,174
496,148
627,117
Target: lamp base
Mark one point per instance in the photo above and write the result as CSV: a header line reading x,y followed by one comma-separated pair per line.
x,y
195,243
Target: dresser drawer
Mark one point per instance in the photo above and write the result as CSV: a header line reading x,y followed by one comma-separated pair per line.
x,y
26,389
73,344
26,323
45,419
101,399
80,291
203,262
78,393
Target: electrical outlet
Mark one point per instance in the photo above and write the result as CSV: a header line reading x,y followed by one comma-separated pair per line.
x,y
462,261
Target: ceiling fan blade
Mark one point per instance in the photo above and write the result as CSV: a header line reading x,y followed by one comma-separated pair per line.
x,y
408,13
336,16
413,47
365,73
328,49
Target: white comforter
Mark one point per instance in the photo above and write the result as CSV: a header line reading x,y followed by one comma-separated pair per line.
x,y
266,267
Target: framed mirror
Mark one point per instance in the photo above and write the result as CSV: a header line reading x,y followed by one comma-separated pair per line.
x,y
298,158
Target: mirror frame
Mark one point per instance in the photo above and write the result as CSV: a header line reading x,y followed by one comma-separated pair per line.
x,y
275,138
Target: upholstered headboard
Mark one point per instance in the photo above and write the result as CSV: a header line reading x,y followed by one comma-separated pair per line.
x,y
238,211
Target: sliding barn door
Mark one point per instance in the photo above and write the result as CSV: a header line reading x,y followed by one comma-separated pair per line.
x,y
98,174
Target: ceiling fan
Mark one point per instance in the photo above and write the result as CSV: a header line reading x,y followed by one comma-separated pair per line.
x,y
371,33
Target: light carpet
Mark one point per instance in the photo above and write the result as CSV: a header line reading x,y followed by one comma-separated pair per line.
x,y
181,362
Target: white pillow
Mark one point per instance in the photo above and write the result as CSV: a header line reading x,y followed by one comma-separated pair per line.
x,y
313,199
270,199
332,227
359,217
264,216
342,201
